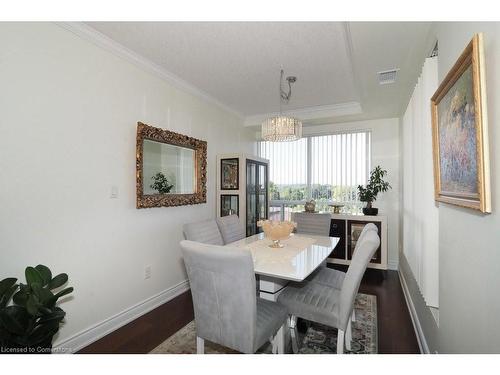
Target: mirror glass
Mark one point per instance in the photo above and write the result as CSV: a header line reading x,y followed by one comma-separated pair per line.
x,y
168,169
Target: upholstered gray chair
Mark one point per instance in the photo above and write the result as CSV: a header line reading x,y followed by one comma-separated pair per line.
x,y
313,223
330,306
231,228
205,231
332,277
226,309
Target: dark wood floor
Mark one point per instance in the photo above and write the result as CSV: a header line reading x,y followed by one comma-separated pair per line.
x,y
395,329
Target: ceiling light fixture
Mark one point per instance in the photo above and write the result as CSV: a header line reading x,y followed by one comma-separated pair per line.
x,y
282,128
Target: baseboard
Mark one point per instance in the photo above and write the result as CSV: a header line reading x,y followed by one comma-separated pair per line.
x,y
422,342
99,330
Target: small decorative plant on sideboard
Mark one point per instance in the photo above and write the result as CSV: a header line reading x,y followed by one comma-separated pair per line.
x,y
29,323
376,185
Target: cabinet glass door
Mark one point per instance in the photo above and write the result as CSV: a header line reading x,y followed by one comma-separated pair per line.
x,y
251,202
256,204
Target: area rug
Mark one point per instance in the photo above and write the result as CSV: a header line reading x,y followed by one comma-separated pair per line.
x,y
318,339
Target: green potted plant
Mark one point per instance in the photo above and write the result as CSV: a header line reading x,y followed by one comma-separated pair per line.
x,y
376,185
161,183
29,323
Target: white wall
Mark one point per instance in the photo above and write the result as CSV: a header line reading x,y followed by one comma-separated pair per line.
x,y
385,152
469,242
67,134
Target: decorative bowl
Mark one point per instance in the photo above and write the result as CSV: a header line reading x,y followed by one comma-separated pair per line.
x,y
277,230
336,207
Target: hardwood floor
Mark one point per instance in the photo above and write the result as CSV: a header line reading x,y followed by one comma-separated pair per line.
x,y
395,329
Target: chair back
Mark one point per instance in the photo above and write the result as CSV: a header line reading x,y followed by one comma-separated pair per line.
x,y
318,224
222,281
231,228
362,256
366,228
205,231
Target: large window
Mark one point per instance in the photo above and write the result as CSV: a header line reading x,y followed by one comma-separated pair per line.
x,y
326,168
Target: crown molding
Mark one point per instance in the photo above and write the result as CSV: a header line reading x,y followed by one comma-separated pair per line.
x,y
311,113
89,33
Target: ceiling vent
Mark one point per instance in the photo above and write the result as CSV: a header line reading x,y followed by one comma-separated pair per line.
x,y
388,76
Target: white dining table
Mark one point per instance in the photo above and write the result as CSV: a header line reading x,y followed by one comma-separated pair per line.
x,y
300,255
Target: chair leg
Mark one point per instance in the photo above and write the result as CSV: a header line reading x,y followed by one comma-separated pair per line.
x,y
340,342
293,333
353,316
348,336
200,345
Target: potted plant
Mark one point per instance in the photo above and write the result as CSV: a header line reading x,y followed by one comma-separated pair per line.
x,y
28,324
161,183
376,185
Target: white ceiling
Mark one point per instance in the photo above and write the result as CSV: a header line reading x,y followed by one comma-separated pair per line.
x,y
238,63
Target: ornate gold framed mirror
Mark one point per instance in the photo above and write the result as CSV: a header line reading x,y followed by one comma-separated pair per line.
x,y
171,168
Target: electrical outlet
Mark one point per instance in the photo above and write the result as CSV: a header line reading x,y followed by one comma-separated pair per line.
x,y
147,272
114,192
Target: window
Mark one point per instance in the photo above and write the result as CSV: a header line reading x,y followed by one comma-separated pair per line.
x,y
325,168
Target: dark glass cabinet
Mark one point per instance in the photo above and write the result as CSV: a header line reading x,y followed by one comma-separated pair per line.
x,y
256,195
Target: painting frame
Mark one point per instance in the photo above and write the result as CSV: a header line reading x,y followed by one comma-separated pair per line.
x,y
230,174
472,57
232,198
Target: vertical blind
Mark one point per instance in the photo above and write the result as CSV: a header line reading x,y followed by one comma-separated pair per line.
x,y
325,168
420,215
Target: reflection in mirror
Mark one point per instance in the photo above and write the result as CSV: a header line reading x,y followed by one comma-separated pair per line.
x,y
168,169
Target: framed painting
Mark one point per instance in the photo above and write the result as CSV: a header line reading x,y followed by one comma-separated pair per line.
x,y
229,174
229,205
460,133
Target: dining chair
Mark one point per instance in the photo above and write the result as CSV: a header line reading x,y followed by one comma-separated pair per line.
x,y
226,309
311,223
330,306
205,231
231,228
332,277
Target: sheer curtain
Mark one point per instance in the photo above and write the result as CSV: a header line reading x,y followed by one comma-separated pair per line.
x,y
420,213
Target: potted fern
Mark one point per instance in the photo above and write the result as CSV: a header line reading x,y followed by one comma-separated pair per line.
x,y
29,323
375,185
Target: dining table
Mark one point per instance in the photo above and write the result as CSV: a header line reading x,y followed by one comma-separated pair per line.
x,y
299,257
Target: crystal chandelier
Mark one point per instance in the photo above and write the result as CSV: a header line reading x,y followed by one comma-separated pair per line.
x,y
282,128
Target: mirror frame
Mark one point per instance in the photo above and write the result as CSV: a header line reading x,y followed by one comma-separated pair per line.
x,y
166,136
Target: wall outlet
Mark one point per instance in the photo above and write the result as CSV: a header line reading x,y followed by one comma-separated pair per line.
x,y
114,192
147,272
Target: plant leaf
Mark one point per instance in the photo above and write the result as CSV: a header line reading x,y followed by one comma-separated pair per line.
x,y
5,298
21,298
6,284
32,305
15,319
33,276
55,315
58,281
64,292
45,273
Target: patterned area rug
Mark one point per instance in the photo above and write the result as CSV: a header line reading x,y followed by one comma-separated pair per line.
x,y
318,339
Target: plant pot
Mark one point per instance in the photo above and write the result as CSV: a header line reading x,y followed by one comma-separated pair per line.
x,y
372,211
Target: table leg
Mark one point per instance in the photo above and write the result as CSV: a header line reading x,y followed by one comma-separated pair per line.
x,y
269,289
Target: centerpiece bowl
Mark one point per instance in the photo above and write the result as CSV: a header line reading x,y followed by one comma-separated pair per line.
x,y
277,231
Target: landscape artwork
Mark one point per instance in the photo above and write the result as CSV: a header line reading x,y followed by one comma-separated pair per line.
x,y
460,133
457,139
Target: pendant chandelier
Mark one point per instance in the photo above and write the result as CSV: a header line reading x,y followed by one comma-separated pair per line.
x,y
282,128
